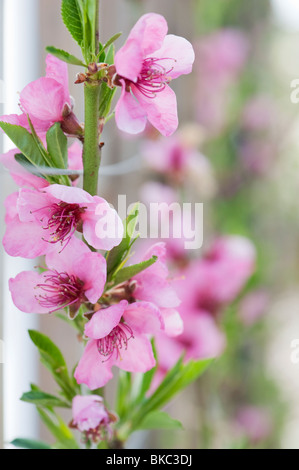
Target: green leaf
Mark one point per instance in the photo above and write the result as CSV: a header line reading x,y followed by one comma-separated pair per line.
x,y
72,19
52,358
43,399
58,428
57,146
29,444
48,348
22,160
120,253
108,43
109,59
159,420
64,56
179,377
129,271
106,97
25,142
91,8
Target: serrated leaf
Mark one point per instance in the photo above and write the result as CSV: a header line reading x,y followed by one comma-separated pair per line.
x,y
72,19
159,420
64,56
128,272
57,146
29,444
43,399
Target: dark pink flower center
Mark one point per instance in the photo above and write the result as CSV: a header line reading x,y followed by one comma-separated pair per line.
x,y
61,290
63,220
153,77
117,339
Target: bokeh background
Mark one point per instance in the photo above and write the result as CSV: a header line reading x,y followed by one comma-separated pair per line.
x,y
242,129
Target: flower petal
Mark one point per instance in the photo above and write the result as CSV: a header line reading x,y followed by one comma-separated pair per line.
x,y
44,99
129,115
174,325
161,111
178,55
104,320
63,260
92,370
57,69
138,357
155,289
102,227
24,292
91,269
24,239
145,37
144,317
75,156
69,194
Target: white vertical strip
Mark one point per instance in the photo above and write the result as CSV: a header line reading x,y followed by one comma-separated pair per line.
x,y
21,65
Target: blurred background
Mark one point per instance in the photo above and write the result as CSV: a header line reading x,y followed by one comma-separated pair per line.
x,y
236,151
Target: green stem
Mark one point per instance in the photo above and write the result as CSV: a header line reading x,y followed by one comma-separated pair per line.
x,y
91,149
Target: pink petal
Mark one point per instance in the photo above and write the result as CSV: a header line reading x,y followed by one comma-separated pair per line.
x,y
57,70
178,55
64,260
138,357
23,291
102,227
75,156
129,115
174,325
69,194
88,412
43,99
144,317
19,174
10,204
91,269
154,289
103,321
161,111
33,206
145,37
24,239
159,268
91,370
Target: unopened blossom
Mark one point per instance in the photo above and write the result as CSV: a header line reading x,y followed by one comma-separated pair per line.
x,y
74,276
91,417
255,422
56,213
118,336
144,66
47,100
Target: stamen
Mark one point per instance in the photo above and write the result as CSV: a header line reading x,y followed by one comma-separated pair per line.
x,y
153,77
117,339
63,219
64,290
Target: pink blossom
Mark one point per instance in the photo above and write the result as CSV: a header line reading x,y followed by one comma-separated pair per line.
x,y
144,66
47,100
255,422
91,417
220,59
216,279
118,336
74,276
54,214
253,306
